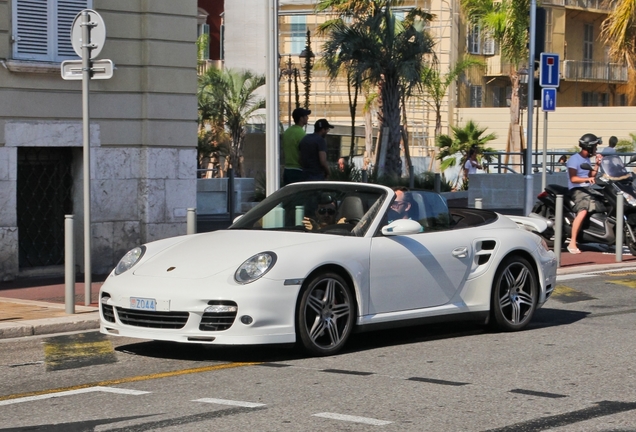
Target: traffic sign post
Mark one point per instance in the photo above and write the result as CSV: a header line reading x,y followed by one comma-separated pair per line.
x,y
549,78
88,34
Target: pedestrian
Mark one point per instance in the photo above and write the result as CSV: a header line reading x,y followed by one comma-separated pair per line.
x,y
342,164
313,152
611,149
291,138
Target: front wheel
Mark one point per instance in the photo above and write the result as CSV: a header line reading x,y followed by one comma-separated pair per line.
x,y
515,293
325,314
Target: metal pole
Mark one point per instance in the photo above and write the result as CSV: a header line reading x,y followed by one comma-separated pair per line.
x,y
620,226
437,185
545,150
478,203
272,137
69,265
529,179
191,221
86,77
289,81
558,228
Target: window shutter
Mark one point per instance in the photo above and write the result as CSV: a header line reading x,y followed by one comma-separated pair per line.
x,y
66,12
31,30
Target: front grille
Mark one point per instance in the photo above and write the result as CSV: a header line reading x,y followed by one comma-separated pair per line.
x,y
108,313
139,318
217,321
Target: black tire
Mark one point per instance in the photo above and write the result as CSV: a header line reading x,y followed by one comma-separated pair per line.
x,y
325,314
632,248
515,293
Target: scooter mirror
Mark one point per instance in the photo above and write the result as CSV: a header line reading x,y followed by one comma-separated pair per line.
x,y
586,166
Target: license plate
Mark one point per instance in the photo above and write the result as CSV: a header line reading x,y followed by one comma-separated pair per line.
x,y
143,303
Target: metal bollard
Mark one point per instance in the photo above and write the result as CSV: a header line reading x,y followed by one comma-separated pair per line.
x,y
437,185
478,203
69,265
191,221
558,228
620,225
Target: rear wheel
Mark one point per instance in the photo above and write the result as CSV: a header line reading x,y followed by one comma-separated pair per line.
x,y
515,293
325,314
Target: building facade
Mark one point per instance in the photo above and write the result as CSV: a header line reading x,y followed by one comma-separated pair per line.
x,y
143,131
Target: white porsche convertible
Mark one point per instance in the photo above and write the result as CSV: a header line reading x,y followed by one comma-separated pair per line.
x,y
315,262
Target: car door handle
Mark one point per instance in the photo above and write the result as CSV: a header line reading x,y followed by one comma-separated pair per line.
x,y
460,252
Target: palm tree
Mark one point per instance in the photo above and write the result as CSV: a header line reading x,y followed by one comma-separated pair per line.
x,y
228,98
463,140
378,48
436,85
618,32
507,21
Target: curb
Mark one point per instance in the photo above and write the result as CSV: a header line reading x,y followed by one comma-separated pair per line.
x,y
85,318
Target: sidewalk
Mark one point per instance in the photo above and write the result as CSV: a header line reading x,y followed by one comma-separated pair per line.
x,y
36,306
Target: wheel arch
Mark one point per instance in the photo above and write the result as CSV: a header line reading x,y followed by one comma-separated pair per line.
x,y
344,274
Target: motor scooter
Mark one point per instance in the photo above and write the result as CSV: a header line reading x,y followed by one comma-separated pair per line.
x,y
598,228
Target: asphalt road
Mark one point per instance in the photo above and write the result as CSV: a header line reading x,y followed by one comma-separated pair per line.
x,y
574,369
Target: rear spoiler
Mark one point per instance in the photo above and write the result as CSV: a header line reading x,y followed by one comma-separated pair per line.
x,y
532,222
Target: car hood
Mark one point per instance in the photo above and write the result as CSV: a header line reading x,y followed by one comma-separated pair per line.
x,y
204,255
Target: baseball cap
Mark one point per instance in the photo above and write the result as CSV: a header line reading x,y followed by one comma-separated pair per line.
x,y
322,124
300,112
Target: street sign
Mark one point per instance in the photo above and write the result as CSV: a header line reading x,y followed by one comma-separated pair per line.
x,y
101,69
97,33
549,71
548,99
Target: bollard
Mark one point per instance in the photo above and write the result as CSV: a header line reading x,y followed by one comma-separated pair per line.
x,y
191,221
365,176
69,265
558,228
620,225
478,203
437,185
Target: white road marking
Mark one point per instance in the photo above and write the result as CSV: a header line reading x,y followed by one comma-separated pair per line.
x,y
573,276
355,419
73,392
230,402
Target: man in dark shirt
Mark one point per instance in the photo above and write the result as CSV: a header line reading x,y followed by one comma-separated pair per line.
x,y
313,152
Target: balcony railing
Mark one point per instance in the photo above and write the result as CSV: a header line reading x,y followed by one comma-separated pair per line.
x,y
496,66
578,70
204,65
581,4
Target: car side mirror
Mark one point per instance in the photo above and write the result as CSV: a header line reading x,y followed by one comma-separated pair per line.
x,y
402,227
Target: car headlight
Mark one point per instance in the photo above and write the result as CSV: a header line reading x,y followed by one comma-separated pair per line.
x,y
131,258
255,267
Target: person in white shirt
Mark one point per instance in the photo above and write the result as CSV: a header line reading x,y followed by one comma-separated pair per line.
x,y
586,200
471,166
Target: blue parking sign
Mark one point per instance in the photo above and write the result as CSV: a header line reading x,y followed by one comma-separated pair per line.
x,y
549,71
548,99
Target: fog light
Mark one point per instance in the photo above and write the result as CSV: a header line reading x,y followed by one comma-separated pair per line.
x,y
247,320
221,309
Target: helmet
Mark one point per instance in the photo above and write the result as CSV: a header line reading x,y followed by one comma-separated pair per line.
x,y
588,141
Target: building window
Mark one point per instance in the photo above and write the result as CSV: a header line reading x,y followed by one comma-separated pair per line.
x,y
621,99
42,29
473,39
489,44
298,33
549,24
595,99
475,96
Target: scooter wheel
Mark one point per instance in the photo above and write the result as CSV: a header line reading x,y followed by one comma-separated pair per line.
x,y
632,248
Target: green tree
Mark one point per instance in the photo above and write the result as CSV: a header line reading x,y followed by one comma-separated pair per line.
x,y
507,22
436,85
228,98
376,46
463,139
618,33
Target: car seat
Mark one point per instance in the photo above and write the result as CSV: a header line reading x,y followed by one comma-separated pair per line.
x,y
351,208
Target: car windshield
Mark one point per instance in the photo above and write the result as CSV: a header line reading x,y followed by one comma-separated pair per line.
x,y
344,209
613,166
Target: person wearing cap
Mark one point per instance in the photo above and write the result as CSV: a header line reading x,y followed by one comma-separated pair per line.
x,y
293,172
313,152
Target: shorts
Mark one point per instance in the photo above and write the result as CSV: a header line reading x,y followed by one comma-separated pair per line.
x,y
586,198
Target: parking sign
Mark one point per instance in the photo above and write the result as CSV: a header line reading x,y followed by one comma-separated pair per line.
x,y
549,71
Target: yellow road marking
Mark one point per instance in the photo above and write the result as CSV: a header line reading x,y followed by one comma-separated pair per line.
x,y
564,290
621,274
132,379
630,283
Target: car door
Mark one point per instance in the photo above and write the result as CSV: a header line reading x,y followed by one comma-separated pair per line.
x,y
416,271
